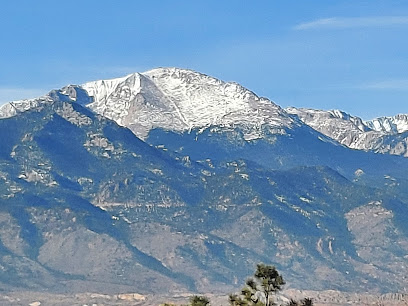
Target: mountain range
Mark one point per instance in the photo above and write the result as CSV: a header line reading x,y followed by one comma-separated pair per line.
x,y
172,180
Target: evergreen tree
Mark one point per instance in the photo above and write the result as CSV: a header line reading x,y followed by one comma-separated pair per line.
x,y
270,281
266,281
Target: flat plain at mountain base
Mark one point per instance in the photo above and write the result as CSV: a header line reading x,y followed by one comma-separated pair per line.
x,y
320,298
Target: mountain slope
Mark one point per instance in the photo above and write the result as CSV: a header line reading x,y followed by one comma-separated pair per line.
x,y
223,180
57,161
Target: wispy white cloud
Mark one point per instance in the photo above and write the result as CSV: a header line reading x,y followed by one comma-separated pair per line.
x,y
12,94
353,22
395,84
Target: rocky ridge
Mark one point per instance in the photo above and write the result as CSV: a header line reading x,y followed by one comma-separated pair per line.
x,y
386,135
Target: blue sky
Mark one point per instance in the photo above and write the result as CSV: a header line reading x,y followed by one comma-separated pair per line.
x,y
349,55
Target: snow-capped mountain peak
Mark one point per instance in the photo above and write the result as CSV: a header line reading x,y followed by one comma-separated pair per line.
x,y
180,100
172,99
395,124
